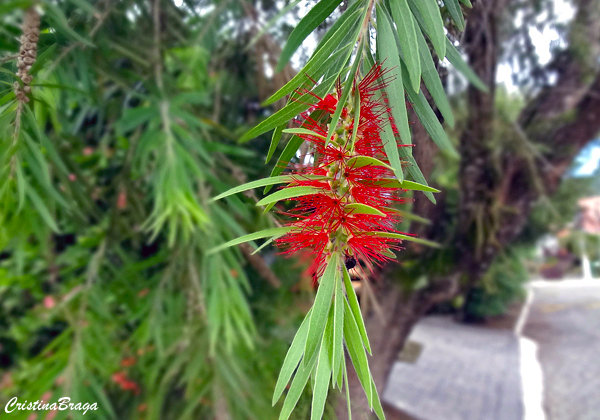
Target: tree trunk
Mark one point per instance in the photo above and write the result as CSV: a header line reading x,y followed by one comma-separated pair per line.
x,y
564,117
477,180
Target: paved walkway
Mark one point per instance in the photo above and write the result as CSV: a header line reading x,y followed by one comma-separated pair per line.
x,y
476,373
464,372
564,320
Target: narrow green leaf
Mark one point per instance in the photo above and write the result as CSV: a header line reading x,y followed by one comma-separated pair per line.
x,y
250,237
285,114
388,44
309,23
322,377
286,156
409,216
291,148
320,309
254,184
43,211
275,141
348,403
355,347
349,13
405,185
407,35
355,308
430,121
433,82
21,184
36,162
11,74
292,358
456,13
134,117
466,3
281,117
415,171
319,57
376,402
338,330
395,92
389,253
288,193
360,161
267,242
57,86
407,238
298,384
33,128
97,389
336,65
42,58
358,208
345,94
129,53
6,98
429,11
391,148
61,24
356,118
461,65
340,377
303,131
268,207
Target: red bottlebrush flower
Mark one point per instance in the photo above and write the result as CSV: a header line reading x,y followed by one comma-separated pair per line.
x,y
125,383
352,204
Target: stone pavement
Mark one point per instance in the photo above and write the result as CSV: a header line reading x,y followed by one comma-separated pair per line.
x,y
564,320
464,372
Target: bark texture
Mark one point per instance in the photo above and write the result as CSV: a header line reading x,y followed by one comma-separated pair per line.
x,y
496,203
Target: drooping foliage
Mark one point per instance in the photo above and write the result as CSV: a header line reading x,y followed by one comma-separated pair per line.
x,y
120,121
110,151
358,139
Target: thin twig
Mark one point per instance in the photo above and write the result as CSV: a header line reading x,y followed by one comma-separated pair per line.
x,y
156,51
16,134
8,58
260,265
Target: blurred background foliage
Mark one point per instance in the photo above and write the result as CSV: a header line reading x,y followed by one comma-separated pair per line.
x,y
106,290
107,293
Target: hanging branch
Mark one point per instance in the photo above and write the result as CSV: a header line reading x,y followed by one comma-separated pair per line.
x,y
344,196
25,59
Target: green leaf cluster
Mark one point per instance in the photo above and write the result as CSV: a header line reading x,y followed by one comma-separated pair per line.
x,y
106,219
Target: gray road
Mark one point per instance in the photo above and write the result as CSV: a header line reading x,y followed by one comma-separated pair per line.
x,y
565,322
